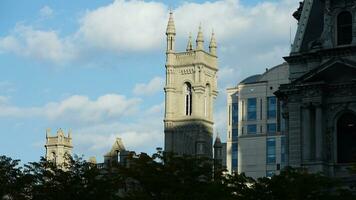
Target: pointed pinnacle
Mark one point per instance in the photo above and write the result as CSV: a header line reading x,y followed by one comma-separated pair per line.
x,y
171,27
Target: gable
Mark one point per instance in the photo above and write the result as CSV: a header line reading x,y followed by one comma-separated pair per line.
x,y
332,71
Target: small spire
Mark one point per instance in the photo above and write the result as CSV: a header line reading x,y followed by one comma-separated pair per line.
x,y
190,45
212,45
48,132
200,39
171,27
70,133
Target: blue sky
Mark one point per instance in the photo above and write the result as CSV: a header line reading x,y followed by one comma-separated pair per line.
x,y
97,67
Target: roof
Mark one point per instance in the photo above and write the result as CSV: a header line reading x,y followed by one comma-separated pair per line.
x,y
251,79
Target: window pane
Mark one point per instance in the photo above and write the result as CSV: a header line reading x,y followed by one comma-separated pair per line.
x,y
271,151
251,109
251,129
271,107
234,134
271,129
269,173
283,149
235,114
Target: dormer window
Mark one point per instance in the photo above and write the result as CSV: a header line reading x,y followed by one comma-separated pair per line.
x,y
344,28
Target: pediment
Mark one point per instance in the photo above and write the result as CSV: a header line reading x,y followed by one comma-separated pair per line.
x,y
332,71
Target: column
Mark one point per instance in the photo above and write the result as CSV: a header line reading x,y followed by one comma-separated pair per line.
x,y
319,132
306,133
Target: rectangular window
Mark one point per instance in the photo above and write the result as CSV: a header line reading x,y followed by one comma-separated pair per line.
x,y
260,109
234,157
251,129
271,129
271,150
271,107
234,134
269,173
234,164
283,149
235,114
230,115
251,109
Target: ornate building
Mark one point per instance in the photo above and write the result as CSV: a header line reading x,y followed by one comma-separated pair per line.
x,y
58,146
319,104
190,90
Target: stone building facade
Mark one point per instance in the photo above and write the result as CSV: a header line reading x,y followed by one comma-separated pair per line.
x,y
190,90
319,105
58,146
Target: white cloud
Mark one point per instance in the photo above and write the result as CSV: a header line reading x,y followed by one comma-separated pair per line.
x,y
139,26
46,11
38,44
77,109
155,85
125,25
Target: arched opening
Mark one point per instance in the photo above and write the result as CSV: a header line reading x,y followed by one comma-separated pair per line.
x,y
346,138
54,157
344,28
188,98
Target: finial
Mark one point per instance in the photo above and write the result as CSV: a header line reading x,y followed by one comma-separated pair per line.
x,y
200,39
48,132
171,27
70,133
212,45
190,45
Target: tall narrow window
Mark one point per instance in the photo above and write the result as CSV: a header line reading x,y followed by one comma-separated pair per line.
x,y
188,99
251,109
271,108
271,151
344,28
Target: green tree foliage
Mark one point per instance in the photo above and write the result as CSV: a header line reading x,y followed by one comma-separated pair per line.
x,y
159,177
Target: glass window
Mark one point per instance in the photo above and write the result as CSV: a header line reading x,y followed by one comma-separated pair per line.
x,y
234,157
269,173
188,99
271,150
251,129
283,149
344,28
251,109
234,164
234,134
271,129
235,113
271,107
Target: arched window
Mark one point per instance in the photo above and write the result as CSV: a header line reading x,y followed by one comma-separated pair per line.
x,y
346,138
344,28
54,157
188,98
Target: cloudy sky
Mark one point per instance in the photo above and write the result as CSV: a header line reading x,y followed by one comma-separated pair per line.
x,y
97,66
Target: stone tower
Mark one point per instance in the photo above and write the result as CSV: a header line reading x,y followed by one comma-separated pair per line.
x,y
58,146
190,91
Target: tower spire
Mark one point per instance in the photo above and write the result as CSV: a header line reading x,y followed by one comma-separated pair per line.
x,y
171,33
200,39
212,45
190,45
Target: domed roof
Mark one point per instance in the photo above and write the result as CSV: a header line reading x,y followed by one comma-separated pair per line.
x,y
251,79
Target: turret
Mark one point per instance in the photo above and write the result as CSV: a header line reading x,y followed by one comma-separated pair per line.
x,y
190,45
212,45
200,40
171,34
